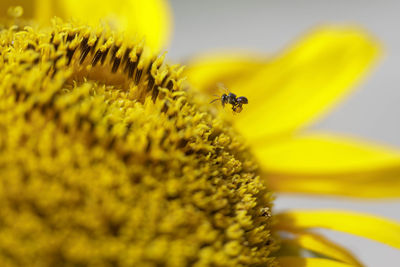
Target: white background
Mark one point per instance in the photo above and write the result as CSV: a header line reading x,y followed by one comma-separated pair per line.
x,y
267,26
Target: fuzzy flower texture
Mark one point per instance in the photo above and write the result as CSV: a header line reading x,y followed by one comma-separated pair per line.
x,y
109,157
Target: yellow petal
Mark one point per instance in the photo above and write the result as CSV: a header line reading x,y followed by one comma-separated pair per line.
x,y
324,153
368,226
150,19
291,90
329,185
323,246
322,163
204,72
309,262
45,10
306,81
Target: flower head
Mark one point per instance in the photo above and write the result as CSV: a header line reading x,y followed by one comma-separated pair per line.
x,y
107,157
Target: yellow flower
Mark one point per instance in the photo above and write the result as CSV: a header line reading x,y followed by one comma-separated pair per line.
x,y
108,158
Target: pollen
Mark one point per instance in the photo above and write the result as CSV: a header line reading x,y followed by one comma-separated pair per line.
x,y
107,158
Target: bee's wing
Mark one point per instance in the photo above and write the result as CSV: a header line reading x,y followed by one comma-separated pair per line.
x,y
221,86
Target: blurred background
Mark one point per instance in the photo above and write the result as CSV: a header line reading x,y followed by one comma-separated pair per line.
x,y
268,26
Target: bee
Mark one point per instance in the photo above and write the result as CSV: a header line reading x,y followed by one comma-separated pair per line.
x,y
230,98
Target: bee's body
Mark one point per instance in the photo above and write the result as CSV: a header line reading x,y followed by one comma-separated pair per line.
x,y
236,102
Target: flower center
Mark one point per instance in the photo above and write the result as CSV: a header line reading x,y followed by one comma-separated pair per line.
x,y
105,159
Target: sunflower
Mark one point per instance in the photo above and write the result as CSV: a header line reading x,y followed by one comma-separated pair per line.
x,y
108,157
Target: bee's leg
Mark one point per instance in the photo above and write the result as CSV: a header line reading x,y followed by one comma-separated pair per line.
x,y
233,110
214,100
237,108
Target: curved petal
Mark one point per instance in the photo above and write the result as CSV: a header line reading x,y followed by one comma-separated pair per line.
x,y
150,19
322,163
309,262
306,80
328,186
293,89
323,246
324,153
368,226
204,72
